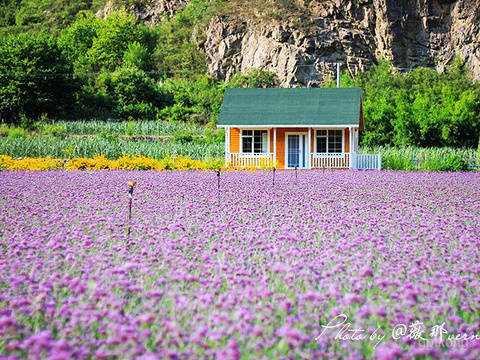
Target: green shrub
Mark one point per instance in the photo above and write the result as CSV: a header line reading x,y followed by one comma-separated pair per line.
x,y
214,136
140,111
12,132
478,151
17,133
54,130
184,137
450,163
4,130
108,136
130,128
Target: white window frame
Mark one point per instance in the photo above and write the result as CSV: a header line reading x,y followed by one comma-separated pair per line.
x,y
329,129
253,153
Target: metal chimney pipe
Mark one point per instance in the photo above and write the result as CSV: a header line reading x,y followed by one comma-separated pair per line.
x,y
338,74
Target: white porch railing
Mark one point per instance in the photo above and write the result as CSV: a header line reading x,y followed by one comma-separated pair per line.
x,y
335,161
242,160
317,160
368,161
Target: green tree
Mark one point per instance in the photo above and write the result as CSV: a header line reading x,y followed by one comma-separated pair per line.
x,y
420,108
8,11
378,86
137,55
76,40
106,55
113,36
35,77
51,15
254,78
136,95
195,99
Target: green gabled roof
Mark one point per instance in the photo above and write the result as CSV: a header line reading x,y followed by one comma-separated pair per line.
x,y
291,107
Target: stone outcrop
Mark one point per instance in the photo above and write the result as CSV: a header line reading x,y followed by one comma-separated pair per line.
x,y
157,11
410,33
151,12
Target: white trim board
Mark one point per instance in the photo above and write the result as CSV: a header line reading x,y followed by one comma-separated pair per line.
x,y
307,150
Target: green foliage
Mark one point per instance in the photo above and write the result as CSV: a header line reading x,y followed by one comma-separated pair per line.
x,y
184,137
142,128
450,163
137,55
197,99
420,108
17,133
120,68
427,159
255,78
8,10
478,150
54,130
111,58
130,128
135,95
114,35
214,136
110,145
6,129
49,14
35,78
176,53
108,136
94,44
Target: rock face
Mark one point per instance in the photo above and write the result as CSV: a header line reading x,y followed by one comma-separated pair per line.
x,y
152,12
157,11
410,33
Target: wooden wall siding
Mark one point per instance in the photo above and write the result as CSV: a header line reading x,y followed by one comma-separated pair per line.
x,y
271,141
234,140
346,140
312,139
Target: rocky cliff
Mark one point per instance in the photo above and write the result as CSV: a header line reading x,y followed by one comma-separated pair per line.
x,y
303,45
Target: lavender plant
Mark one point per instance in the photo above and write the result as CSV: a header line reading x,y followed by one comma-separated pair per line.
x,y
261,274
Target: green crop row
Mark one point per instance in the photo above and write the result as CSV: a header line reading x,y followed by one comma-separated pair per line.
x,y
94,127
414,158
88,147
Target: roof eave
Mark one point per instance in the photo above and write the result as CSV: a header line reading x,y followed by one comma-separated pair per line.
x,y
289,126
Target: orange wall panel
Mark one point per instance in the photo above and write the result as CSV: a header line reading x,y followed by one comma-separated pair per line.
x,y
346,137
271,141
281,148
234,140
312,137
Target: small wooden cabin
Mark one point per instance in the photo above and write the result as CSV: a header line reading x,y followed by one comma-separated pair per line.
x,y
292,127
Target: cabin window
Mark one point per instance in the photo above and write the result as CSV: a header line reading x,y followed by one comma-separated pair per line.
x,y
255,141
329,141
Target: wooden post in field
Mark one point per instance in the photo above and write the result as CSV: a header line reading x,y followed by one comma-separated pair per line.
x,y
274,176
218,186
131,185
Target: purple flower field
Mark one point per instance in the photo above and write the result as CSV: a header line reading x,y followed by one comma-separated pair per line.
x,y
334,265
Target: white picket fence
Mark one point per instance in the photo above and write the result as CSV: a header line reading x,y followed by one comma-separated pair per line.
x,y
317,160
368,161
336,161
249,159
